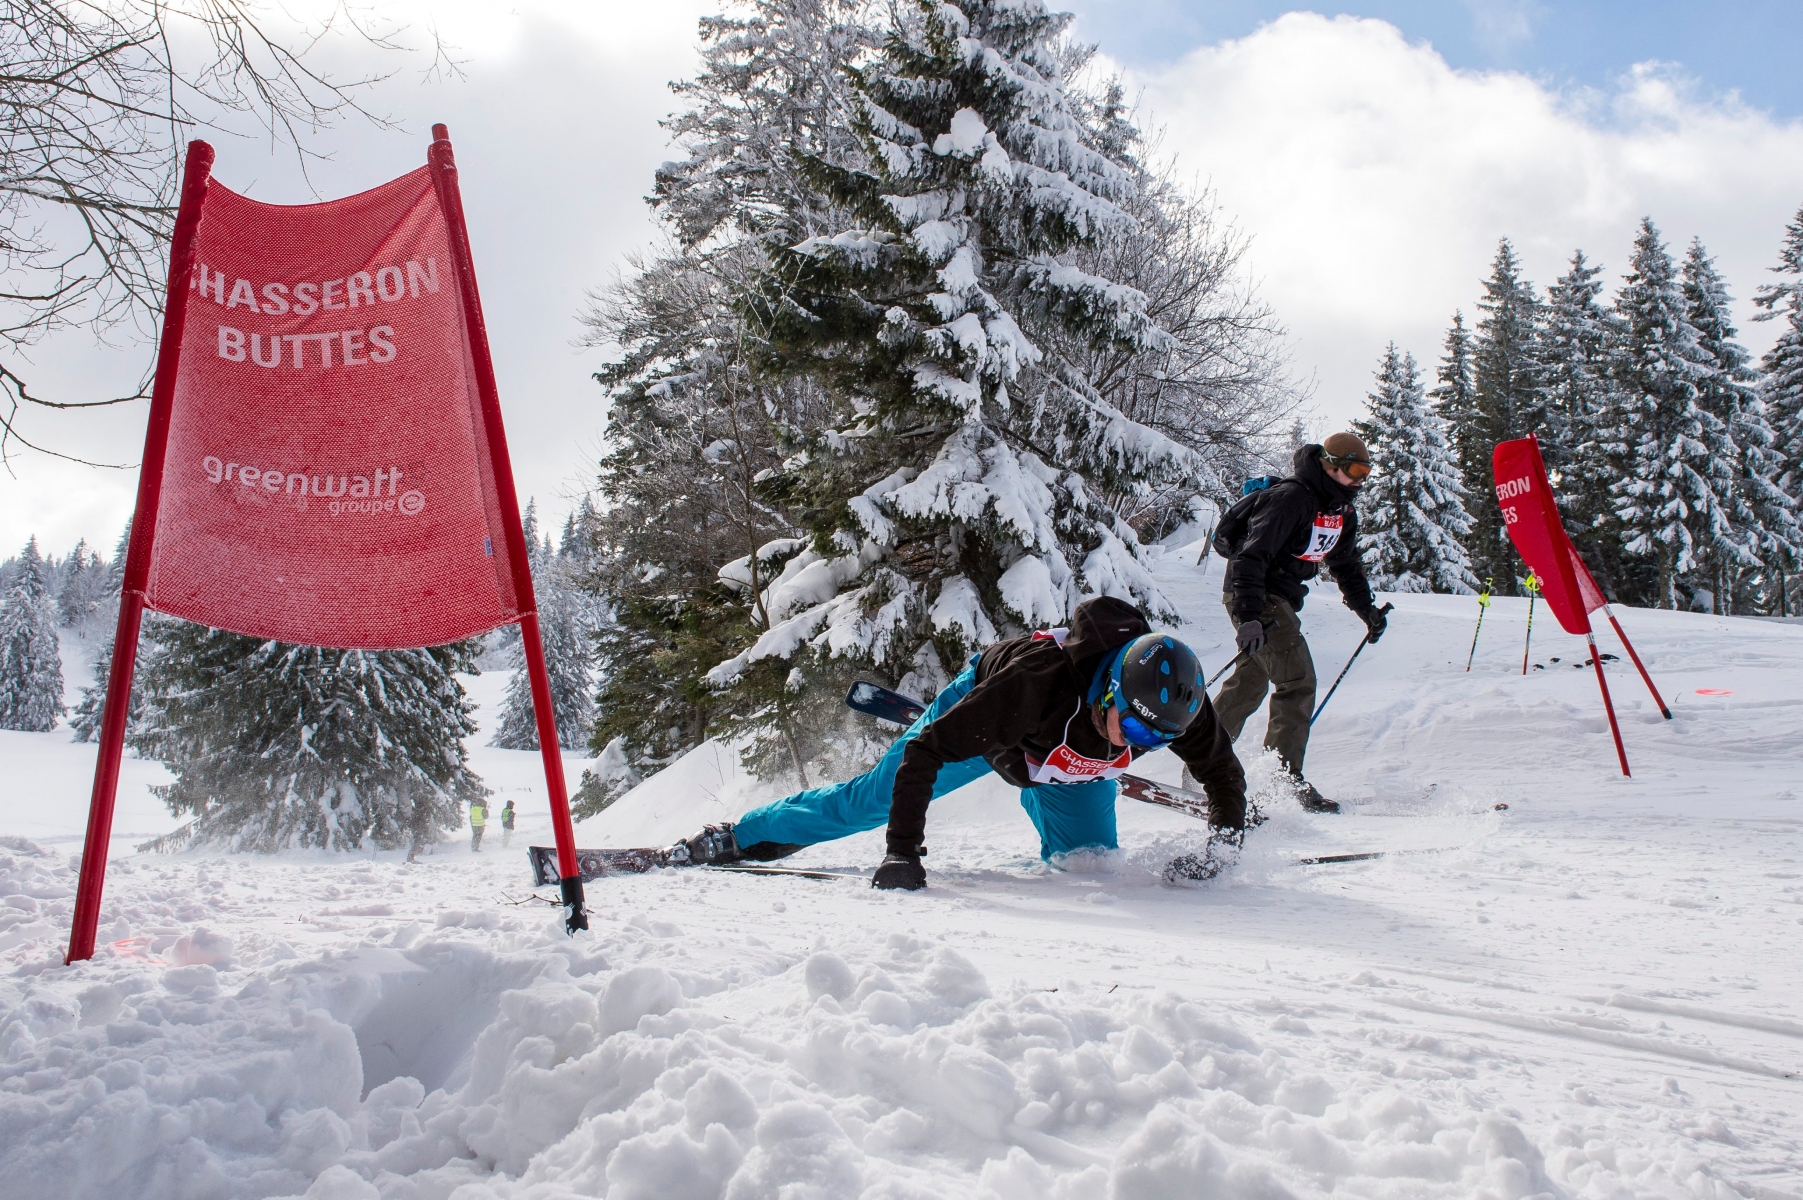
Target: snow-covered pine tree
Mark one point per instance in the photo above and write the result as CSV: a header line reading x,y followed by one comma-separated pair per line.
x,y
31,666
1574,363
1762,518
1411,513
1782,386
566,639
691,424
961,493
83,586
1669,503
273,745
1454,393
1506,403
85,720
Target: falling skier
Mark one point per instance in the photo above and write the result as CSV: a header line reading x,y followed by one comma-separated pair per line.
x,y
1274,542
1059,714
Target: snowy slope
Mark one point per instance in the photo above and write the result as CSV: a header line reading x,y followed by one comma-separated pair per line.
x,y
1591,994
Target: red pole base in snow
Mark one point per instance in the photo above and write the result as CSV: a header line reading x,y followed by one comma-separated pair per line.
x,y
1629,646
562,827
1621,751
196,171
450,199
106,779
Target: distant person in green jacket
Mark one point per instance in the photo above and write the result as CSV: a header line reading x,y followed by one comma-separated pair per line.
x,y
507,825
478,819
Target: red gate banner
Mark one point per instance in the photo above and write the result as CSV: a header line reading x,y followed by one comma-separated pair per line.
x,y
1531,516
328,479
324,461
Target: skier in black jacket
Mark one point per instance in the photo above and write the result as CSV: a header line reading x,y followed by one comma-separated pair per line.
x,y
1059,714
1294,526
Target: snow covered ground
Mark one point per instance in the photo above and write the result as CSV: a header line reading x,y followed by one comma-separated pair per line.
x,y
1594,993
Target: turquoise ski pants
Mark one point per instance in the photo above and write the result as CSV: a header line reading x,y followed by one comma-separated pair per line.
x,y
1069,816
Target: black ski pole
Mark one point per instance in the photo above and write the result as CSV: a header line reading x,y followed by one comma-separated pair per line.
x,y
1231,663
1207,545
1355,654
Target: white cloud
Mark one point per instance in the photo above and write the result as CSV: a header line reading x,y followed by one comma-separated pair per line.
x,y
1375,180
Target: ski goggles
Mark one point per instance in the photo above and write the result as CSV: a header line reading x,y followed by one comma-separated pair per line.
x,y
1356,468
1143,735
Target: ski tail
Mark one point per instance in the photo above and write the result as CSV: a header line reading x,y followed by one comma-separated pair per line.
x,y
595,864
876,701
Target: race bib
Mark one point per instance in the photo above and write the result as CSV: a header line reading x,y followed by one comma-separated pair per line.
x,y
1323,536
1065,765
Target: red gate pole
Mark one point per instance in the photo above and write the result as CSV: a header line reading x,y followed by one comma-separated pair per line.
x,y
1657,698
1596,657
195,176
450,200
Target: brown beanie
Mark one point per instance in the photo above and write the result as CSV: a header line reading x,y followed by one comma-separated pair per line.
x,y
1345,446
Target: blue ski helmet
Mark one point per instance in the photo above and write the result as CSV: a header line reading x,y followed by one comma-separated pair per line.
x,y
1156,682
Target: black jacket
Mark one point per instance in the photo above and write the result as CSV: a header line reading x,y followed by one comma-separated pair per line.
x,y
1028,691
1268,560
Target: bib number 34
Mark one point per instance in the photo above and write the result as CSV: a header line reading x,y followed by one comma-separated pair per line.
x,y
1323,537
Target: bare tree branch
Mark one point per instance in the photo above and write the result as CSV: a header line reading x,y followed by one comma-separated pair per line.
x,y
97,101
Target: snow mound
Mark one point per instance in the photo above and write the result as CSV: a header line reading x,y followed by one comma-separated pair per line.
x,y
706,784
616,1069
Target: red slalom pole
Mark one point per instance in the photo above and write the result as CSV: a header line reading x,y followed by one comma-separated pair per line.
x,y
1629,646
196,174
1621,751
444,180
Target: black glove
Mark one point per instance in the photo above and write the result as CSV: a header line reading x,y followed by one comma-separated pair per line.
x,y
1375,624
900,871
1250,637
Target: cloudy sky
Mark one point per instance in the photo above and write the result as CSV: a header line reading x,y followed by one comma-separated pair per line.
x,y
1373,157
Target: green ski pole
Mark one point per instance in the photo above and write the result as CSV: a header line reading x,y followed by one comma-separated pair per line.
x,y
1483,602
1533,586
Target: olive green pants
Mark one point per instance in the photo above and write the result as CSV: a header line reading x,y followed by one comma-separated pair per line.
x,y
1283,661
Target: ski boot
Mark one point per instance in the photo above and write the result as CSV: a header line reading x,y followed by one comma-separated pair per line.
x,y
1312,800
714,846
900,872
1222,852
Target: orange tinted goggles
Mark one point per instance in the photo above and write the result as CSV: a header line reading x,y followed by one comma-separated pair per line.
x,y
1355,468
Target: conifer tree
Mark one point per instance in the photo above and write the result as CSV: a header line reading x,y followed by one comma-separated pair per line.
x,y
82,588
1669,504
85,721
566,641
1507,402
31,668
1762,519
1782,386
1412,513
1574,364
274,745
691,424
1455,392
959,495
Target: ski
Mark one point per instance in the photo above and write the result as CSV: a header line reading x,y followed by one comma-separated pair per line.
x,y
598,864
595,864
799,872
874,700
1326,860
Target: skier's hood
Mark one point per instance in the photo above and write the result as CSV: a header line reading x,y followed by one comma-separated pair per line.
x,y
1309,470
1098,627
